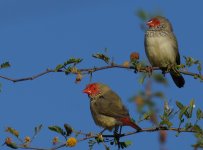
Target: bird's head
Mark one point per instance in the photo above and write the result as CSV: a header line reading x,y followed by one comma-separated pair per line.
x,y
96,89
159,23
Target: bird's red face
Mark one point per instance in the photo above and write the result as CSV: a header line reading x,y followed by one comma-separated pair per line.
x,y
92,89
154,22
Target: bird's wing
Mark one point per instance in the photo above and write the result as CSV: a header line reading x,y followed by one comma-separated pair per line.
x,y
111,105
175,46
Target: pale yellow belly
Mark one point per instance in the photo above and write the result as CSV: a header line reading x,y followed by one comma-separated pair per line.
x,y
160,52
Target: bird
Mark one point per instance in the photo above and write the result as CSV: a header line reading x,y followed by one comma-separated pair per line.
x,y
161,47
106,107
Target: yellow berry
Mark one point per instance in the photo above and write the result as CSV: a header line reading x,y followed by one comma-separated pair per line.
x,y
126,64
100,137
71,142
27,139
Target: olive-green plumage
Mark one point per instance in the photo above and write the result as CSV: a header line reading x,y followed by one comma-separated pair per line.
x,y
107,108
161,47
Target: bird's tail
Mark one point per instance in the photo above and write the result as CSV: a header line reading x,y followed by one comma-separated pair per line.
x,y
178,79
128,122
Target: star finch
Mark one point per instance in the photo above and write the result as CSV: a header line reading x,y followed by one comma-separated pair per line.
x,y
107,108
161,47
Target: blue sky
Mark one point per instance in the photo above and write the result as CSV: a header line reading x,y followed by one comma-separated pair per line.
x,y
36,35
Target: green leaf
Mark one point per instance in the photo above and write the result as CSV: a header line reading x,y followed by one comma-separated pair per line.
x,y
166,122
68,70
147,115
103,57
73,61
199,68
199,114
197,128
57,129
179,104
189,61
183,111
143,15
68,129
5,65
142,78
12,131
128,143
190,109
58,67
122,145
38,129
12,145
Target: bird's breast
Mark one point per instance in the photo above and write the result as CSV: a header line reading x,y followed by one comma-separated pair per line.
x,y
160,50
102,120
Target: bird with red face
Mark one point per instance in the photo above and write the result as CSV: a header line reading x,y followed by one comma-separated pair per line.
x,y
161,47
107,108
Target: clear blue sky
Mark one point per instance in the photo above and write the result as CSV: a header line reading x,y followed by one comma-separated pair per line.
x,y
35,35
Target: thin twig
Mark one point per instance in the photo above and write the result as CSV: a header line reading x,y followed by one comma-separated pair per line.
x,y
112,136
94,69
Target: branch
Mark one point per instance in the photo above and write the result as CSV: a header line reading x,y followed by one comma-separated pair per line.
x,y
155,129
95,69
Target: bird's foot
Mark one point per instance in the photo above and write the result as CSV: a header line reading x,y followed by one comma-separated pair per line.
x,y
171,68
117,136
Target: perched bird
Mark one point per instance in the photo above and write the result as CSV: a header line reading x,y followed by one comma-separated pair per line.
x,y
161,47
107,108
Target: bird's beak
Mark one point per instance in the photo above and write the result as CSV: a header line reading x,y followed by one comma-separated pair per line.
x,y
150,23
87,91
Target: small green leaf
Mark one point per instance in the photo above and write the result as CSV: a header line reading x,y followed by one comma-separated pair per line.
x,y
12,145
58,67
73,61
190,109
142,78
103,57
197,128
179,104
142,15
5,65
68,129
199,68
183,111
199,114
68,70
147,115
166,122
128,143
57,129
12,131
